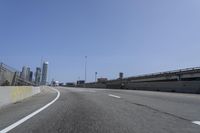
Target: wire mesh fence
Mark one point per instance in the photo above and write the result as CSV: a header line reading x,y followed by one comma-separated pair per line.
x,y
10,76
7,74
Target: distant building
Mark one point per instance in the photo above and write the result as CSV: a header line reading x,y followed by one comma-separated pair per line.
x,y
121,75
44,73
80,82
101,80
20,74
70,84
28,70
24,72
38,76
31,76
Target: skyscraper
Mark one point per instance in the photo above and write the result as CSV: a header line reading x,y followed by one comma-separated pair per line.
x,y
31,76
24,72
37,76
28,73
44,73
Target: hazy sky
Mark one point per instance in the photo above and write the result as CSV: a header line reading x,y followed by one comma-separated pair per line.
x,y
130,36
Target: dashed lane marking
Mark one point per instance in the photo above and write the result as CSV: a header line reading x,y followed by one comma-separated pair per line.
x,y
196,122
114,96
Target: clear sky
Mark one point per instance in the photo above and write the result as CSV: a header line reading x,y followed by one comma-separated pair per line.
x,y
130,36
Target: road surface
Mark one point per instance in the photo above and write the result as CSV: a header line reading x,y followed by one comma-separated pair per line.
x,y
81,110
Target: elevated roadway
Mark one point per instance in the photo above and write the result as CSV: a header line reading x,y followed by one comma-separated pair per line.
x,y
85,110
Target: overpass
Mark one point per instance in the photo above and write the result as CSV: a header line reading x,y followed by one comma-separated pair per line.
x,y
182,80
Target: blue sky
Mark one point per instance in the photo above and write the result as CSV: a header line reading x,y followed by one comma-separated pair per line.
x,y
130,36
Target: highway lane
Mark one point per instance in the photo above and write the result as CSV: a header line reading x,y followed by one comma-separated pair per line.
x,y
182,105
80,110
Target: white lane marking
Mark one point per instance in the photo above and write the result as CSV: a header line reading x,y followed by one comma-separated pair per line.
x,y
196,122
114,96
7,129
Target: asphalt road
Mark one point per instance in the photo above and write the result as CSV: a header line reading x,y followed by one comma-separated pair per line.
x,y
80,110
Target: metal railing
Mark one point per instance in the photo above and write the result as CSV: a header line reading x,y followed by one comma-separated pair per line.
x,y
10,76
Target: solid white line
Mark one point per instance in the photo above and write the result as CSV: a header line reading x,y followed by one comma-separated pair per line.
x,y
114,96
196,122
7,129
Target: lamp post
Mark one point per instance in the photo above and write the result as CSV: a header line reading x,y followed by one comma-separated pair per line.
x,y
85,68
95,76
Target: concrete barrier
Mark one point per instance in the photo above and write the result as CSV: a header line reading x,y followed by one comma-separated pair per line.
x,y
13,94
167,86
98,85
173,86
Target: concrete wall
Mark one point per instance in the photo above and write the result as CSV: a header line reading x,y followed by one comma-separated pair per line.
x,y
98,85
170,86
12,94
165,86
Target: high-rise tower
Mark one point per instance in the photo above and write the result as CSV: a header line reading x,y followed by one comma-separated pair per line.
x,y
24,73
28,70
38,76
44,73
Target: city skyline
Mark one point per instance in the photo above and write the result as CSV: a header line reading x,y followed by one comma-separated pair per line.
x,y
37,76
133,37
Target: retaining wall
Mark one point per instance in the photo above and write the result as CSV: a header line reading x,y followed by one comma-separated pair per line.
x,y
12,94
171,86
165,86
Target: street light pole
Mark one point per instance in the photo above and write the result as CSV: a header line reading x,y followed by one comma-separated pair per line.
x,y
95,76
85,68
